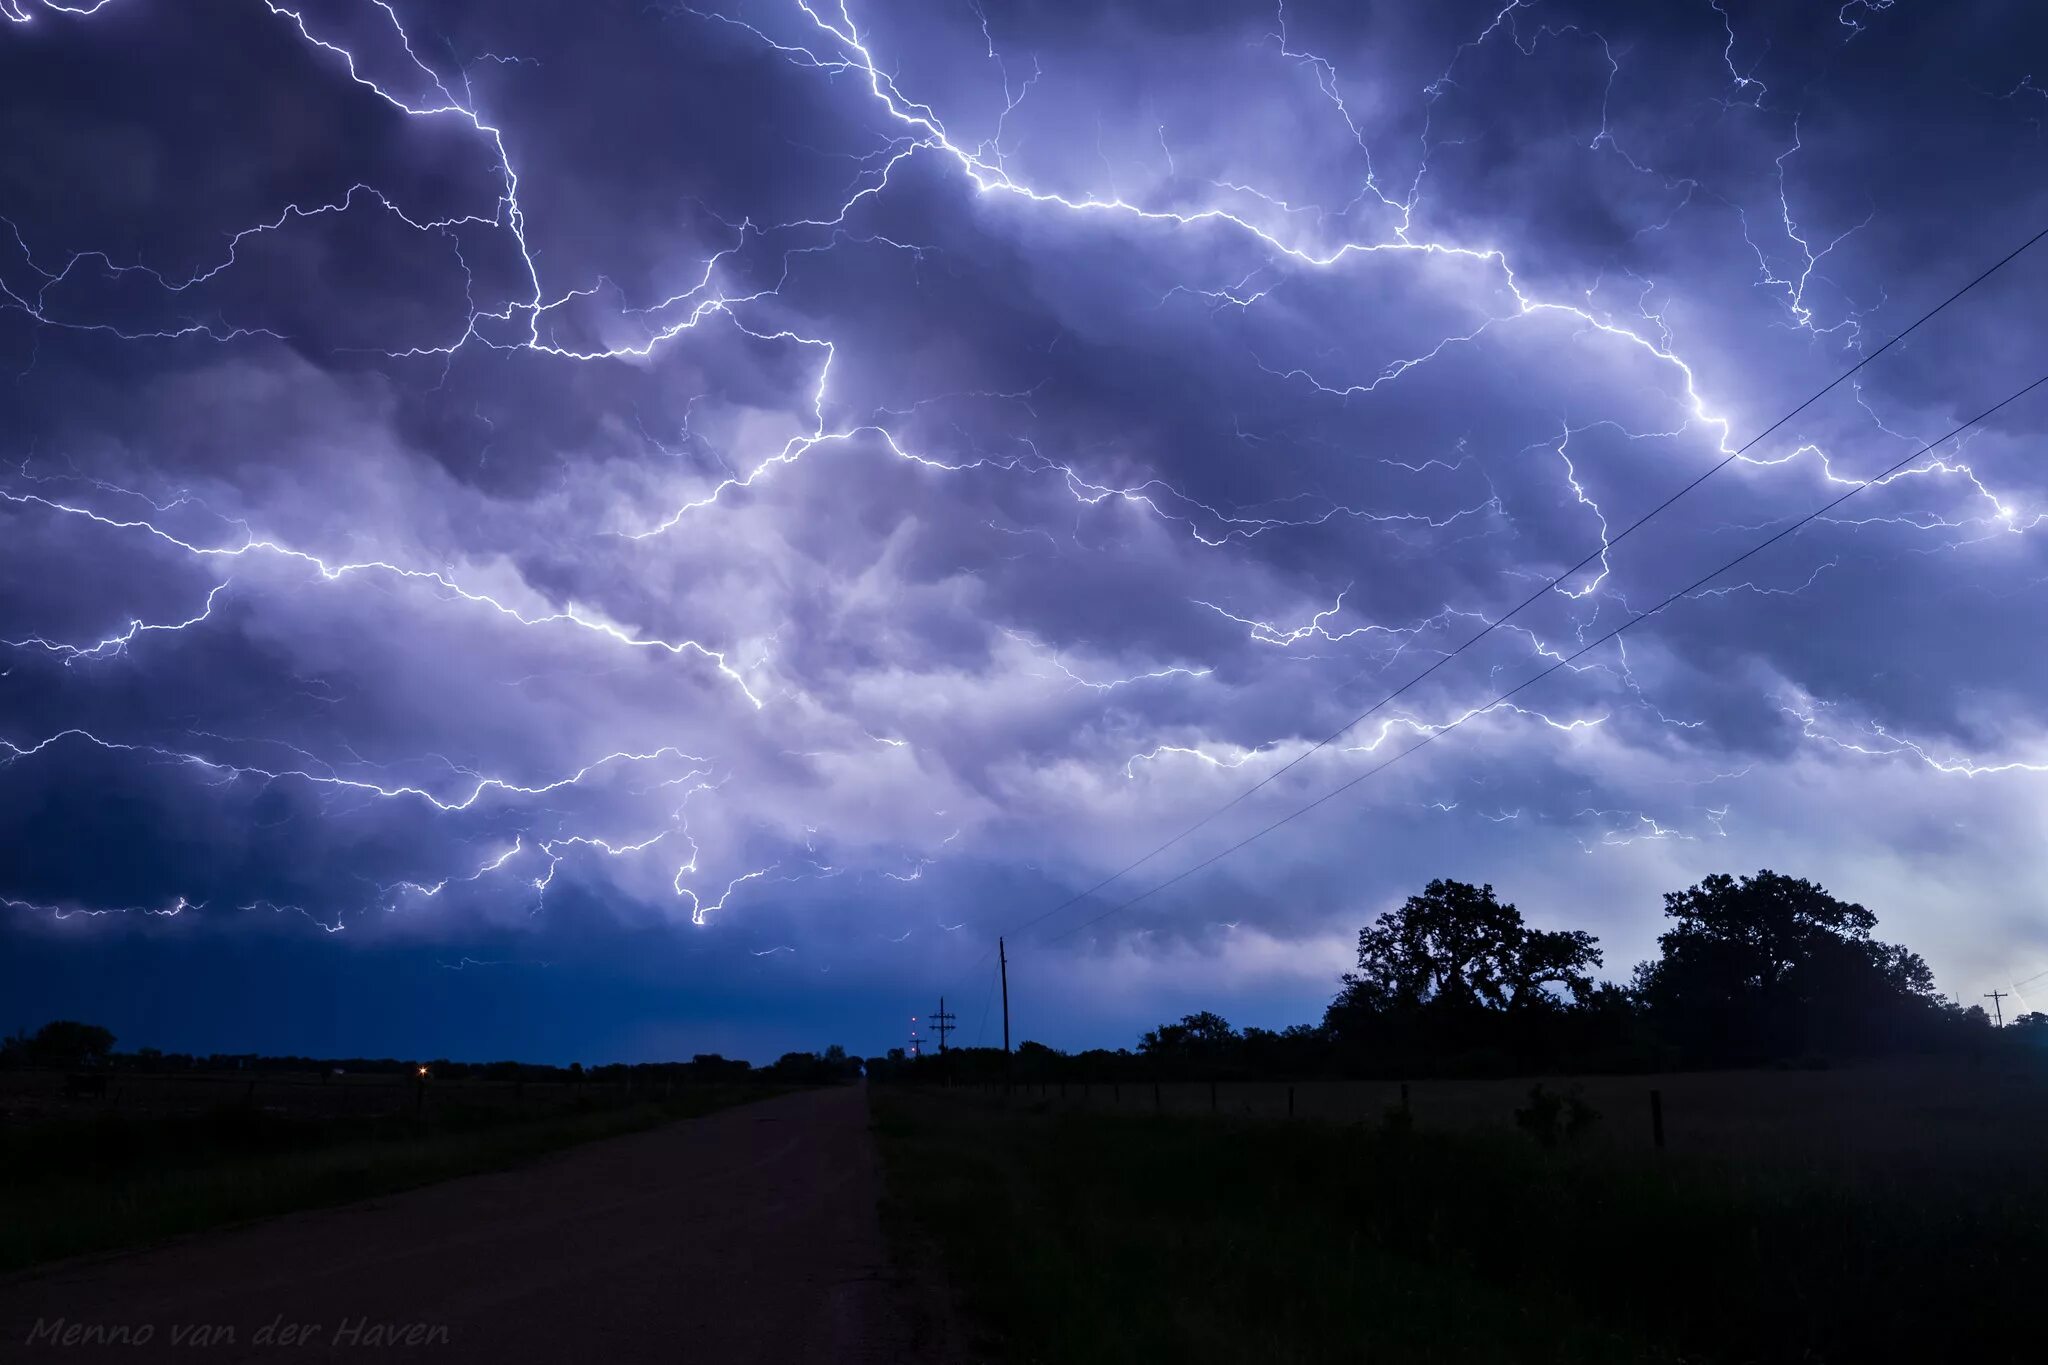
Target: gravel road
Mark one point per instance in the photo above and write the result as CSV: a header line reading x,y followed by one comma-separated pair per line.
x,y
750,1234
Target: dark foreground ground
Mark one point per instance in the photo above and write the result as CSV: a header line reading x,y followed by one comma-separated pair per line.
x,y
747,1235
108,1173
1078,1237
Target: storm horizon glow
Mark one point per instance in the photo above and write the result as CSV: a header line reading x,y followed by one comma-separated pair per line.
x,y
624,530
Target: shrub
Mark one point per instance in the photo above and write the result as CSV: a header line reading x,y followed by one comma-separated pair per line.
x,y
1548,1118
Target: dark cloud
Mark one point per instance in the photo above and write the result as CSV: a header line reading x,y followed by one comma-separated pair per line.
x,y
740,517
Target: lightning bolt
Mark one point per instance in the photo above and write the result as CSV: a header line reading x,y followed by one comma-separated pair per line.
x,y
712,299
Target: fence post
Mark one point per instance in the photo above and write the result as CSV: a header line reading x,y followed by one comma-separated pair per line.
x,y
249,1095
1290,1101
1212,1097
1404,1095
1657,1119
1157,1107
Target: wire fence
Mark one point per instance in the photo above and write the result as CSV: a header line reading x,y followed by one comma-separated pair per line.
x,y
1881,1111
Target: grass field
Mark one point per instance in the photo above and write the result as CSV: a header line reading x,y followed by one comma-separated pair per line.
x,y
1077,1236
33,1096
94,1177
1880,1112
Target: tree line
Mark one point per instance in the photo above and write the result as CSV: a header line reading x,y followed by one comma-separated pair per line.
x,y
69,1045
1751,971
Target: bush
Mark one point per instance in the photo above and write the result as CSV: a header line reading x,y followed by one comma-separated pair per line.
x,y
1548,1117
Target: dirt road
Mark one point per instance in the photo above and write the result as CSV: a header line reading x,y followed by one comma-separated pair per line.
x,y
747,1235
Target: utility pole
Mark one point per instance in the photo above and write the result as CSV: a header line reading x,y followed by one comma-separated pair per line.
x,y
915,1041
942,1024
1003,961
1997,1013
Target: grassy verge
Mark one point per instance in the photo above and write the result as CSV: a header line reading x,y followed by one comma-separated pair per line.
x,y
114,1180
1087,1237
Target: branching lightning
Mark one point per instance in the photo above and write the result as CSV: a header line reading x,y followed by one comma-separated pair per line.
x,y
1262,247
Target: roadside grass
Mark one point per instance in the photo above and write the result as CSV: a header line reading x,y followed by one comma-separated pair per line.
x,y
1075,1237
110,1180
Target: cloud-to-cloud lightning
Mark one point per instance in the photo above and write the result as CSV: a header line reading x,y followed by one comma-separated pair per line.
x,y
797,469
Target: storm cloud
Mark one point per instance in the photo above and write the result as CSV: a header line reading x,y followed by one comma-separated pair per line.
x,y
612,526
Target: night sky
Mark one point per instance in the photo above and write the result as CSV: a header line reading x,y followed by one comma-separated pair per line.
x,y
618,530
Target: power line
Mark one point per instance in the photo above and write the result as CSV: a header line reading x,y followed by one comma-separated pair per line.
x,y
1636,620
1608,545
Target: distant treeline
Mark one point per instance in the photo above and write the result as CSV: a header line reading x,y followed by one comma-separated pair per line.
x,y
1757,971
68,1045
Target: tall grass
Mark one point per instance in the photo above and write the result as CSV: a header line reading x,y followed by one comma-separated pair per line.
x,y
1079,1237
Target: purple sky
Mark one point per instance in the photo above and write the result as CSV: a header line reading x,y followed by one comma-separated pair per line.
x,y
624,529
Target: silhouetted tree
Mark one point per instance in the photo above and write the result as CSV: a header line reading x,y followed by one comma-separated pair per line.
x,y
1774,966
710,1066
1540,959
1195,1033
1457,944
1297,1050
62,1042
812,1068
837,1066
1201,1043
1443,945
1454,971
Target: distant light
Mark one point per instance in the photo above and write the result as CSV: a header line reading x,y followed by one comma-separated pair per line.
x,y
423,1071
